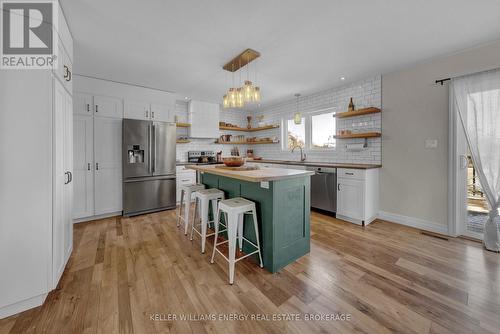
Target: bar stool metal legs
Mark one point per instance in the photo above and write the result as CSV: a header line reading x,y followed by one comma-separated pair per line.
x,y
186,192
234,211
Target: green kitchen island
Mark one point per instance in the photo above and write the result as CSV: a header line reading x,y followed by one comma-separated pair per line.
x,y
282,199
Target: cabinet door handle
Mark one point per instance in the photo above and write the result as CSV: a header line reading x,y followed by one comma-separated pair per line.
x,y
96,166
147,114
67,177
152,114
88,166
70,177
67,73
349,173
88,107
338,187
186,180
96,108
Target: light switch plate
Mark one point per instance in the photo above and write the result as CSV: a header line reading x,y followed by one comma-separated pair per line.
x,y
264,184
431,143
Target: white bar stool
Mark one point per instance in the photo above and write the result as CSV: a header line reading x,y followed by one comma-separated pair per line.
x,y
235,209
186,191
203,197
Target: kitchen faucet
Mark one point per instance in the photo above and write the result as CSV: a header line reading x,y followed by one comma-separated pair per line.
x,y
302,154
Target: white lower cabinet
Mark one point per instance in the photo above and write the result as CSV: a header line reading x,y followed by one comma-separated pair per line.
x,y
357,195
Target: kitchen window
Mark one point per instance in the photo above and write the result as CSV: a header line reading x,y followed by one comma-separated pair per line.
x,y
295,134
323,131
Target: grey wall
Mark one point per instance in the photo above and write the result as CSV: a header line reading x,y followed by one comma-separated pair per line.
x,y
414,179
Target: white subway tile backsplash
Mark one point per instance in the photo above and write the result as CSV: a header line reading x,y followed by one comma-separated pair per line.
x,y
366,93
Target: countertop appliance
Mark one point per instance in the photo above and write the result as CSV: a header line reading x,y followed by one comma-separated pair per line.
x,y
324,188
148,166
202,157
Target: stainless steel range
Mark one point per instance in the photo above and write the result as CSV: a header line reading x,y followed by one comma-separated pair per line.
x,y
148,166
202,157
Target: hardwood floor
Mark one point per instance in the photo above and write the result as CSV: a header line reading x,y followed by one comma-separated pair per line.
x,y
128,275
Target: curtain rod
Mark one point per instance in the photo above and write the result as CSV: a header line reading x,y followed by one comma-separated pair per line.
x,y
442,81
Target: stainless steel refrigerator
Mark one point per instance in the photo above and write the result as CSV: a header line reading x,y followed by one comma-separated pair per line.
x,y
148,166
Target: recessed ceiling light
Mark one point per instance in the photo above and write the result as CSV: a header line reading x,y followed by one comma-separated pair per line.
x,y
342,78
186,98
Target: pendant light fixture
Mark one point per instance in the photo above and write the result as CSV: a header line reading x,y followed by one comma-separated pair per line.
x,y
237,97
297,118
248,88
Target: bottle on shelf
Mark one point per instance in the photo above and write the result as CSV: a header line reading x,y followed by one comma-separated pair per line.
x,y
351,105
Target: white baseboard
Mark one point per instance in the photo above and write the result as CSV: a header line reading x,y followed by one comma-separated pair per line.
x,y
21,306
414,222
106,215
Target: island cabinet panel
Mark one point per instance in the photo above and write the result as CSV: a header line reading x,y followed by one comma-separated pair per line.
x,y
283,210
291,220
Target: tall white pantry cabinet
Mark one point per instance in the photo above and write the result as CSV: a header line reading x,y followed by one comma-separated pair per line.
x,y
97,157
36,159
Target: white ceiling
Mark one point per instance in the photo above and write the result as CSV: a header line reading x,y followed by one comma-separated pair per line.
x,y
306,46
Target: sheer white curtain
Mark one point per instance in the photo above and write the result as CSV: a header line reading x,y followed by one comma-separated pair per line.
x,y
477,101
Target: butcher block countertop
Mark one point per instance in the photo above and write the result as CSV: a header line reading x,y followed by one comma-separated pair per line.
x,y
257,175
317,164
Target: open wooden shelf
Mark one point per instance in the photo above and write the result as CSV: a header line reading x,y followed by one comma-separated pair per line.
x,y
360,112
237,128
247,142
183,125
183,141
359,135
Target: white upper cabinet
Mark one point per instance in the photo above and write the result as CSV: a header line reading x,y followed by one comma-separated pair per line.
x,y
162,113
148,111
137,110
83,104
105,106
102,106
204,119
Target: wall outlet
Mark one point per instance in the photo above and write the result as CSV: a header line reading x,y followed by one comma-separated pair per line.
x,y
431,143
264,184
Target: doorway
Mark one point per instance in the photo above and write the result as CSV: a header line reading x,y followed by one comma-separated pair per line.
x,y
468,206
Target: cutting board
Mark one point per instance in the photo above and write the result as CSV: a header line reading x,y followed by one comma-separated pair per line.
x,y
241,168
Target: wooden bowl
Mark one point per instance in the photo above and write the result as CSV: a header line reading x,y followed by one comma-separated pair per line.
x,y
233,161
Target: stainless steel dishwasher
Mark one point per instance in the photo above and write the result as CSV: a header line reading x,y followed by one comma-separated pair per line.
x,y
324,188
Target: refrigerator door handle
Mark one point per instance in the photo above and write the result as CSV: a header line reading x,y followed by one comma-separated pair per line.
x,y
154,147
149,147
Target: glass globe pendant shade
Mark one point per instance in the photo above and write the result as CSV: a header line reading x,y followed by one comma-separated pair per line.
x,y
225,101
256,94
297,118
240,102
248,91
232,95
